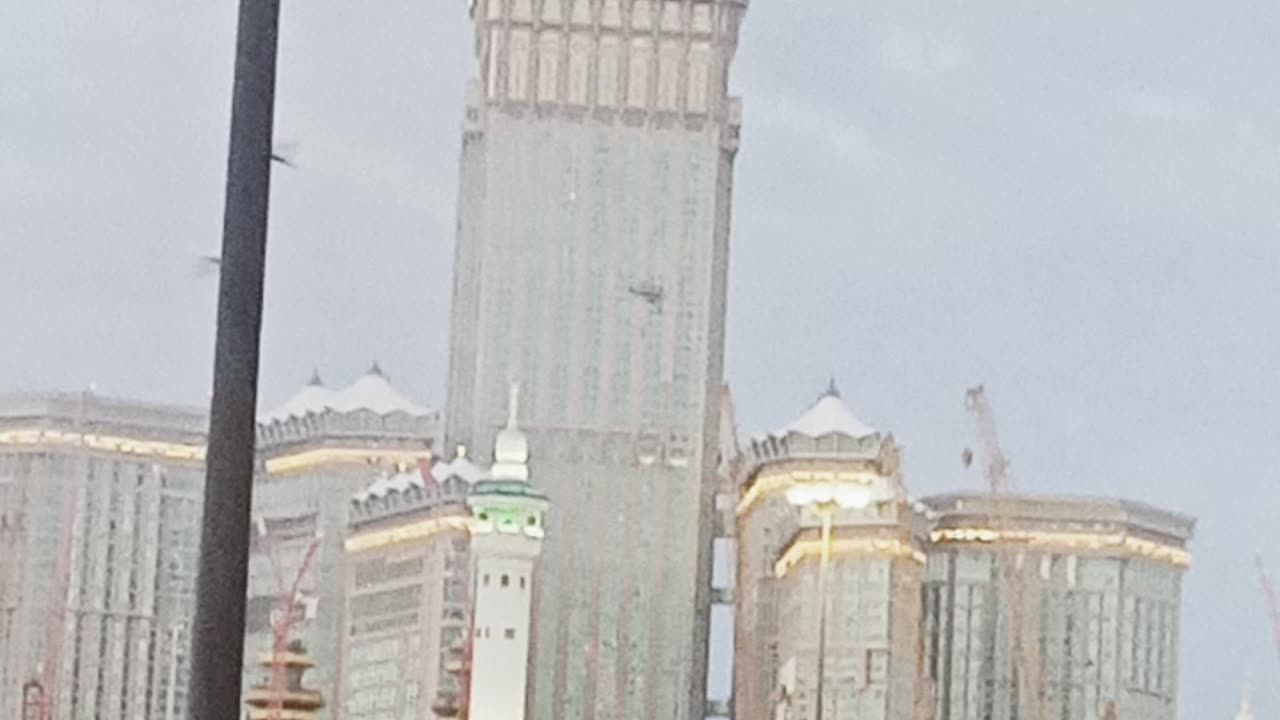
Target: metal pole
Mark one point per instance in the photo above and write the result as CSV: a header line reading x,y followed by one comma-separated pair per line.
x,y
217,654
825,511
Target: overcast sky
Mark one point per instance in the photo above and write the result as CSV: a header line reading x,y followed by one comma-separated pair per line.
x,y
1077,203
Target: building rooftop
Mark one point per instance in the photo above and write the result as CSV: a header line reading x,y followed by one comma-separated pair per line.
x,y
1082,512
827,430
373,392
94,412
829,415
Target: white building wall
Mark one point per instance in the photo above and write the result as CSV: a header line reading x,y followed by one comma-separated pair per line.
x,y
500,646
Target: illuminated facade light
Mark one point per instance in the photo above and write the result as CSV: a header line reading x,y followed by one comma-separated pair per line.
x,y
136,447
807,549
1067,542
768,482
308,459
407,533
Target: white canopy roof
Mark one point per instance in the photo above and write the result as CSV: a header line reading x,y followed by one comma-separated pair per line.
x,y
829,415
372,392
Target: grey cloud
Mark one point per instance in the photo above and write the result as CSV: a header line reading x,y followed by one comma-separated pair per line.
x,y
1112,278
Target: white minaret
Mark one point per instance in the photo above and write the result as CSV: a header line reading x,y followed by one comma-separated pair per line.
x,y
505,542
1246,707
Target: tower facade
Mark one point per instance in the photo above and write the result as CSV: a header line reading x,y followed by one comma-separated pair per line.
x,y
592,253
408,594
100,504
1100,587
830,557
507,534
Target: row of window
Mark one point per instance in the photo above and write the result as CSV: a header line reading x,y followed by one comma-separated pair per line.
x,y
504,580
1151,649
484,633
386,602
383,570
510,67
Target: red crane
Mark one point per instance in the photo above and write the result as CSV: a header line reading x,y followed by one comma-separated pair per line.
x,y
1269,594
287,616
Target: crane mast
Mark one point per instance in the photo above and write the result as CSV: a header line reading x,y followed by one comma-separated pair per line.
x,y
1269,595
282,627
1021,642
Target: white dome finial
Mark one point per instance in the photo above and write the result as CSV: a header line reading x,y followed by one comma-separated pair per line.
x,y
511,448
513,405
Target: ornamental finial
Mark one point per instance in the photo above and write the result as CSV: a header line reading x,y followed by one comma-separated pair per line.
x,y
513,405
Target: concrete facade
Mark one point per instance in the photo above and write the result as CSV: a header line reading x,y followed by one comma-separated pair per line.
x,y
595,184
1102,585
873,579
100,504
408,594
314,453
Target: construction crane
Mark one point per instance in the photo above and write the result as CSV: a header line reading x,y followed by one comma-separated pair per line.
x,y
1022,643
287,616
1269,595
55,624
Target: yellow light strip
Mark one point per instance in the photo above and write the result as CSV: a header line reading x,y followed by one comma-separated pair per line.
x,y
327,456
778,481
847,546
407,533
104,443
196,453
1070,541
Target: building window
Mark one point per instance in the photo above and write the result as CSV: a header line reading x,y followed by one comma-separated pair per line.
x,y
506,580
510,633
521,582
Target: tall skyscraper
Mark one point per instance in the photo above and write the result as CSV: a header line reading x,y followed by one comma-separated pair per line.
x,y
593,228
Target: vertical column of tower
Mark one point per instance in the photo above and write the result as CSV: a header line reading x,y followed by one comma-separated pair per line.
x,y
591,265
506,542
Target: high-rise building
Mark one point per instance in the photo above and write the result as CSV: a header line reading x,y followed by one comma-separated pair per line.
x,y
1100,586
592,254
408,594
507,529
313,453
830,558
100,504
